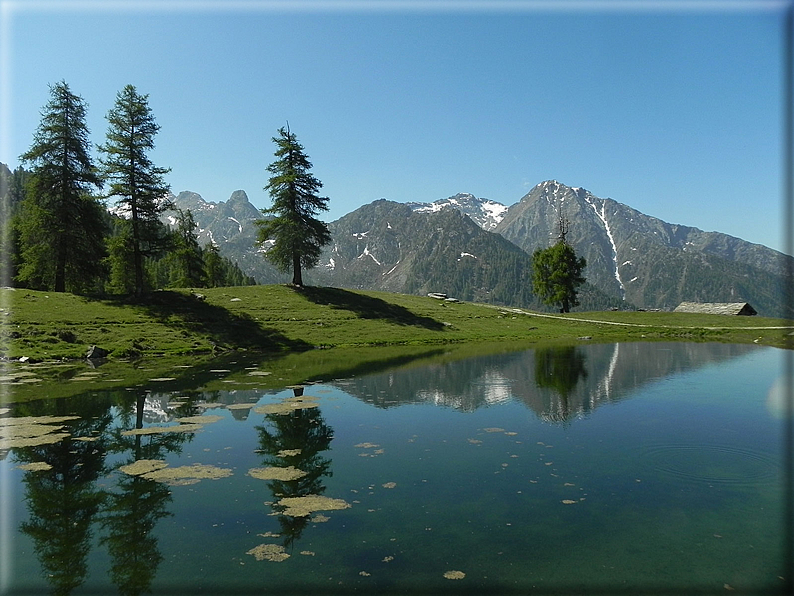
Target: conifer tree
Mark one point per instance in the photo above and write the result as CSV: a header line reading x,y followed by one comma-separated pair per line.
x,y
213,265
61,225
298,235
12,192
557,272
133,178
187,254
120,252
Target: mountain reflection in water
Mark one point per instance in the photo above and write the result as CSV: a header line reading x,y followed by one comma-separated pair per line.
x,y
557,383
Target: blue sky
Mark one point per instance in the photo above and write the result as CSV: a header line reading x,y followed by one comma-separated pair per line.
x,y
675,110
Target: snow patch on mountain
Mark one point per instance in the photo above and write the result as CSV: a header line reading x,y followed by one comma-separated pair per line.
x,y
484,212
366,253
392,269
602,216
239,225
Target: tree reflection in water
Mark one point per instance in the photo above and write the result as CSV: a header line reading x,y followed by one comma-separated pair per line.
x,y
296,439
560,369
63,501
135,506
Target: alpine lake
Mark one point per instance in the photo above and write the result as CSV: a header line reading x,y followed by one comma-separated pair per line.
x,y
636,468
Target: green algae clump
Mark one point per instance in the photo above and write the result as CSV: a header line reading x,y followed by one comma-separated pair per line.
x,y
288,405
187,474
36,466
304,506
276,473
269,552
153,430
30,431
143,466
199,419
157,469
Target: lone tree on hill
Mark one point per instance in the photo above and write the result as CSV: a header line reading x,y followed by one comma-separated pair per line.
x,y
61,225
134,178
298,235
557,272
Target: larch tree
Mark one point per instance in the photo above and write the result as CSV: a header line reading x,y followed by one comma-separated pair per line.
x,y
297,234
557,272
132,177
61,223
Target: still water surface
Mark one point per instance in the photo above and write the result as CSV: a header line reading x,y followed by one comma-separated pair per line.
x,y
629,467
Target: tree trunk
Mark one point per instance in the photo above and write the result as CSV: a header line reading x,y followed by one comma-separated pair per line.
x,y
60,265
137,260
297,279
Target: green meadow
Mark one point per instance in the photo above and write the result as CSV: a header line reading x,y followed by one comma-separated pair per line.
x,y
46,326
286,334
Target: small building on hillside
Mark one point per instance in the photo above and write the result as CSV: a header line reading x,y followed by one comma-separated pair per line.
x,y
717,308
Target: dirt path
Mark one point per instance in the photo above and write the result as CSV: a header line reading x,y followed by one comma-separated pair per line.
x,y
549,316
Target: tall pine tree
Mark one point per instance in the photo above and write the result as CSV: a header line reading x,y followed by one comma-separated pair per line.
x,y
133,178
61,225
298,235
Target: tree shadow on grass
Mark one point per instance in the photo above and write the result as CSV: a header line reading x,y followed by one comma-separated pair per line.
x,y
367,307
224,328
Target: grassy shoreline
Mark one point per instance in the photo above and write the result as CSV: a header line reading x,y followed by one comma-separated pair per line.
x,y
268,337
46,327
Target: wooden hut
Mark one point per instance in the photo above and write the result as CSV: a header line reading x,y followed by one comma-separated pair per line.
x,y
717,308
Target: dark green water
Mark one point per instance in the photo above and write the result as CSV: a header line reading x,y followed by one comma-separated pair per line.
x,y
631,468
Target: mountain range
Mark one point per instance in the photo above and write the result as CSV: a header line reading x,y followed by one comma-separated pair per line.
x,y
477,249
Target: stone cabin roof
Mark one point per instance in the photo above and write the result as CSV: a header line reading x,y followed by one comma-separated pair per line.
x,y
717,308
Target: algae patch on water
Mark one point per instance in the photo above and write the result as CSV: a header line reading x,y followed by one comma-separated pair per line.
x,y
288,405
153,430
158,470
269,552
36,466
199,419
143,466
30,431
276,473
188,474
304,506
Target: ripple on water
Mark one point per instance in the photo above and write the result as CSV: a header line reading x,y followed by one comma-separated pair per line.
x,y
713,464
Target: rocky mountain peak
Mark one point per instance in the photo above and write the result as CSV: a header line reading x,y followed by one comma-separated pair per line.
x,y
484,212
238,196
